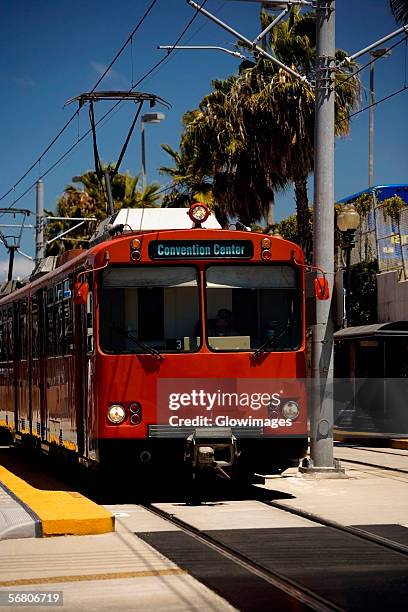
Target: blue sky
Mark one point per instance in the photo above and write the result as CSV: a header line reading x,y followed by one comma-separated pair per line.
x,y
53,50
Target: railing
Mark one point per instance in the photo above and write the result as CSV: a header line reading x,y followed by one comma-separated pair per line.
x,y
383,238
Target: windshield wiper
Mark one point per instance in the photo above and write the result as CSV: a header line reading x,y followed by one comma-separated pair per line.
x,y
136,340
270,341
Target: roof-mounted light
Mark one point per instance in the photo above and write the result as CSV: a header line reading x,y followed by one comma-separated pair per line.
x,y
135,243
135,254
198,213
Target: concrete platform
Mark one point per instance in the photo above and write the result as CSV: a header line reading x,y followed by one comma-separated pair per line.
x,y
374,439
129,570
369,496
113,571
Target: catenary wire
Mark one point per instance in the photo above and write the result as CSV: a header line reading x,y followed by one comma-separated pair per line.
x,y
404,39
76,113
395,93
152,69
68,151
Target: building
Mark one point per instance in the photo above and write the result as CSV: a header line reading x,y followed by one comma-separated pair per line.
x,y
371,360
383,235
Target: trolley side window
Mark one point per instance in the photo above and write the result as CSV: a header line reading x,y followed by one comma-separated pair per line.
x,y
35,326
4,354
67,315
10,333
149,307
50,350
59,320
22,336
253,306
2,337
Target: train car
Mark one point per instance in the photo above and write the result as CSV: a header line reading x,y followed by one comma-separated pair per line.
x,y
170,341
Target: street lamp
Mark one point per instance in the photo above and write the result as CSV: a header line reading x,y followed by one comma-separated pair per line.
x,y
280,4
201,48
147,118
348,220
377,53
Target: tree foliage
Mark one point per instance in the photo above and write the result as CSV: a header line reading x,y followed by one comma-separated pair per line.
x,y
186,187
253,134
400,10
90,201
363,292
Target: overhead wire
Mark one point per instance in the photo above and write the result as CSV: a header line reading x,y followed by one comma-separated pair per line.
x,y
76,113
144,77
395,93
404,39
87,133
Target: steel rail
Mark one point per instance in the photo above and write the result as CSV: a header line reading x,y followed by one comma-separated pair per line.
x,y
374,465
385,451
288,586
354,531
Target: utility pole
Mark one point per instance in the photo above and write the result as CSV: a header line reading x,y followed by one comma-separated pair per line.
x,y
39,225
321,426
371,130
12,241
375,55
143,145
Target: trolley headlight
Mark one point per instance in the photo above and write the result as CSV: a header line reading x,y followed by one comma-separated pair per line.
x,y
290,410
116,414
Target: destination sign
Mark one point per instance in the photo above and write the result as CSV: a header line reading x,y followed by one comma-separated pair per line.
x,y
201,249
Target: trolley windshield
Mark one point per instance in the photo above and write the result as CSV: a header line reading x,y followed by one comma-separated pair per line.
x,y
253,307
149,308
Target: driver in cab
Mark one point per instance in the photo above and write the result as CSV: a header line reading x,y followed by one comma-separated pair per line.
x,y
223,324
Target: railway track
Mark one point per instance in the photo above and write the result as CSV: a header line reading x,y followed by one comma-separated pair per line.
x,y
378,459
370,547
381,451
353,531
373,465
275,561
291,591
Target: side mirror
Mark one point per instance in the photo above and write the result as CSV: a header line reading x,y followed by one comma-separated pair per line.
x,y
81,290
321,287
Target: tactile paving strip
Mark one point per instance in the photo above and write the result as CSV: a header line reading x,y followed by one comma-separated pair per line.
x,y
15,521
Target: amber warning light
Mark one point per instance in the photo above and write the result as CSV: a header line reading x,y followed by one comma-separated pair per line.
x,y
198,213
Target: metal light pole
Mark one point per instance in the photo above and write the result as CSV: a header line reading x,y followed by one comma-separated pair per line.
x,y
374,54
39,226
321,434
147,118
201,48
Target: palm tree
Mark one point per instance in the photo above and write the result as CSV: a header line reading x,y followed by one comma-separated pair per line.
x,y
186,187
91,202
218,145
400,10
254,133
125,193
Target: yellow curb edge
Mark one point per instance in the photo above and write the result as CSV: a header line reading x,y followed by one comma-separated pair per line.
x,y
59,512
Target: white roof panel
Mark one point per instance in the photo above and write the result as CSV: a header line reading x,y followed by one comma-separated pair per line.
x,y
151,219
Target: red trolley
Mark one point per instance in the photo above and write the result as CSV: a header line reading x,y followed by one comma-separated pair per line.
x,y
122,351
